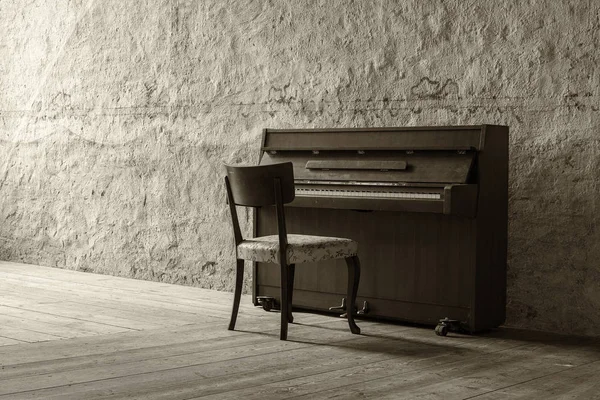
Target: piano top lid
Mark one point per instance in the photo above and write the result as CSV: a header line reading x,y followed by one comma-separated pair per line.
x,y
405,138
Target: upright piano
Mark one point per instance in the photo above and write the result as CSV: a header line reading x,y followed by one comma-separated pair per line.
x,y
427,205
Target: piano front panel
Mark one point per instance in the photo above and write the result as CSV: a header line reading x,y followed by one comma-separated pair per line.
x,y
407,259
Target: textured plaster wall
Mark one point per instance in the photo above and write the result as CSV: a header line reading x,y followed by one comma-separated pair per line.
x,y
116,115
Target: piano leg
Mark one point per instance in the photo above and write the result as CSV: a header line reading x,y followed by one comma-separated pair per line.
x,y
353,280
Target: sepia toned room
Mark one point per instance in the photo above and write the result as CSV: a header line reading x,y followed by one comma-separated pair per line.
x,y
268,199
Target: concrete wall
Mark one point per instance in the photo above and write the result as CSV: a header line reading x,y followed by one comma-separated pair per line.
x,y
115,116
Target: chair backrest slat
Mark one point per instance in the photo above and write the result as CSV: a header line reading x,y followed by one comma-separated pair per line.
x,y
253,186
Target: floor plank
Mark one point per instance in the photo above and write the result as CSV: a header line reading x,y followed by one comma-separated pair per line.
x,y
73,335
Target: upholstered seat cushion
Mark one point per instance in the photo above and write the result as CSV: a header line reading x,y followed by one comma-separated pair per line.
x,y
300,249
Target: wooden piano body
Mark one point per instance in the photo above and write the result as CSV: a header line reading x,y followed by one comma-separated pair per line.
x,y
427,205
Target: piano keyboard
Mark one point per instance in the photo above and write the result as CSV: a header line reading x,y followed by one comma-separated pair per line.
x,y
379,194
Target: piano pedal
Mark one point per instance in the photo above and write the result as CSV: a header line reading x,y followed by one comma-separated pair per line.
x,y
341,307
446,325
365,309
267,302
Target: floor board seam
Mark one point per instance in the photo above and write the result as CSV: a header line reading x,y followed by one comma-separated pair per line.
x,y
73,318
59,316
531,380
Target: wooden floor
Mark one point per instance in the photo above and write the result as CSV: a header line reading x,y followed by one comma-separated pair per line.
x,y
73,335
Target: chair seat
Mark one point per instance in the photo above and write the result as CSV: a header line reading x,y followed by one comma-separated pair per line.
x,y
301,249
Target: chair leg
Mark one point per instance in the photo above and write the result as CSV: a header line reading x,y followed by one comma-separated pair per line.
x,y
353,280
292,270
284,302
239,280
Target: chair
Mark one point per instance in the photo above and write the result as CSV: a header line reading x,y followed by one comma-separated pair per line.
x,y
267,185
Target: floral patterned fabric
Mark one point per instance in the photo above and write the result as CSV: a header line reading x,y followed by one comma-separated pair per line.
x,y
301,249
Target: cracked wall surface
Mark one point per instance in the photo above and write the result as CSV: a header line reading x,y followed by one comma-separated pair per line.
x,y
115,118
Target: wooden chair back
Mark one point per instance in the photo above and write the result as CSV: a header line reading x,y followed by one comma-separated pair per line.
x,y
259,186
253,186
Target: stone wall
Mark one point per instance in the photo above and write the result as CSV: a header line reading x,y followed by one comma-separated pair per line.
x,y
115,117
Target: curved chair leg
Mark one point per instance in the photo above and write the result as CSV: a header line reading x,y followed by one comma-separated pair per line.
x,y
284,302
292,270
239,280
353,280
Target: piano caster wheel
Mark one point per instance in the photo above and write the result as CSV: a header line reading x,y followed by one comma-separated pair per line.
x,y
267,302
441,330
446,325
